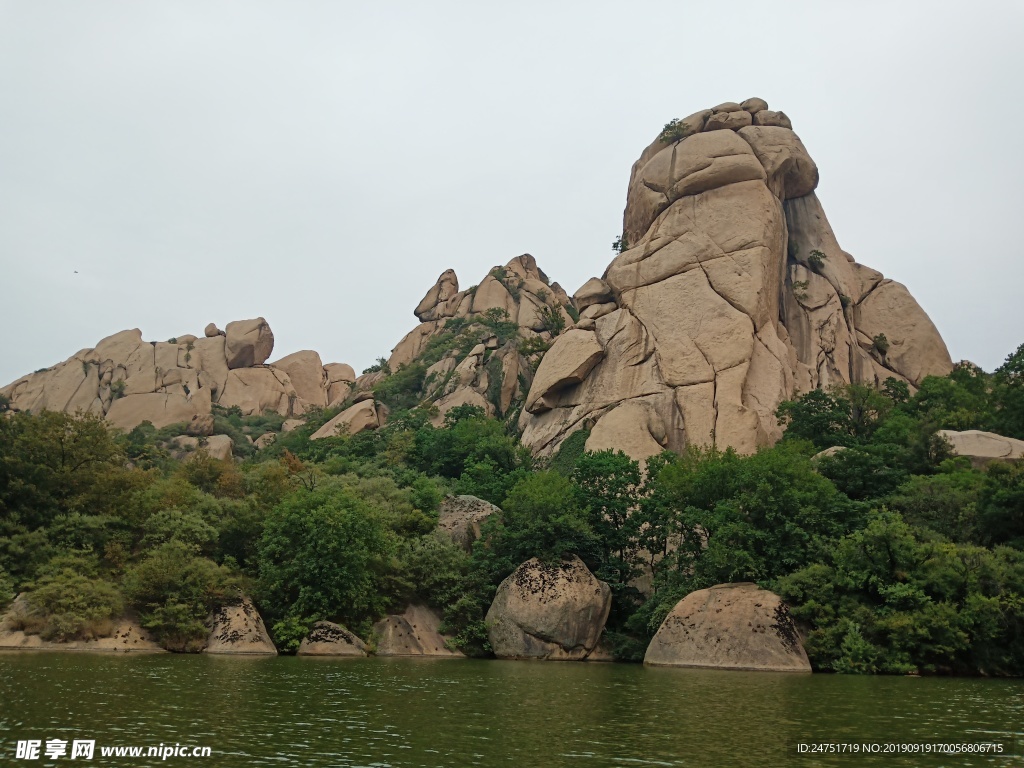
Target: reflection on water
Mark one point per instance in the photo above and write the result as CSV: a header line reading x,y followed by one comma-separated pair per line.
x,y
411,712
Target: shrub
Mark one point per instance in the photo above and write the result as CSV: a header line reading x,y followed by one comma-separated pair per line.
x,y
117,389
380,365
175,590
553,320
74,601
620,243
674,131
816,260
881,344
6,589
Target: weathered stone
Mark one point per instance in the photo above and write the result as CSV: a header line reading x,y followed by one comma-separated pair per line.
x,y
259,390
159,409
915,348
555,612
774,119
201,425
238,629
492,294
460,517
982,448
359,417
462,396
329,639
727,120
594,291
791,171
733,296
754,105
306,372
219,447
634,428
412,633
445,288
212,330
573,355
124,634
265,441
249,342
730,626
595,311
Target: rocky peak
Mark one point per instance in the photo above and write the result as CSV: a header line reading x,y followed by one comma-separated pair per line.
x,y
480,345
730,294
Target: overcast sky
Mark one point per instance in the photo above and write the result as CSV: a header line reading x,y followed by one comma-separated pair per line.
x,y
321,163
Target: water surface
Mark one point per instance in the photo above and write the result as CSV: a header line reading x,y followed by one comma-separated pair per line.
x,y
413,712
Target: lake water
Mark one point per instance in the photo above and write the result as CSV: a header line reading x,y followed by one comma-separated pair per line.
x,y
412,712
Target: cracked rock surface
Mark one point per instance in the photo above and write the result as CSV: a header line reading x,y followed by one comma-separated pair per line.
x,y
543,611
731,296
730,626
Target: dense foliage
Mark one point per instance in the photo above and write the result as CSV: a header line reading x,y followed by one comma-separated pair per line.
x,y
893,555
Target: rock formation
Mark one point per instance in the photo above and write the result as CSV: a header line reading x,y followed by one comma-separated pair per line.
x,y
555,612
479,345
730,626
364,415
126,635
983,447
415,632
460,517
239,629
128,380
731,295
329,639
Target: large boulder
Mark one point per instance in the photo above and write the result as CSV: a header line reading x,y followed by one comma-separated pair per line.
x,y
460,517
445,288
415,632
239,629
306,372
573,355
544,611
360,417
729,626
249,342
329,639
219,447
731,296
983,448
159,409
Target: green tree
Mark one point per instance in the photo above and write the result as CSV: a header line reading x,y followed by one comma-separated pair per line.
x,y
818,416
1008,395
323,555
174,590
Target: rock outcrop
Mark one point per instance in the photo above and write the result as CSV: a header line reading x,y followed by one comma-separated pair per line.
x,y
353,420
730,626
555,612
415,632
329,639
129,381
480,345
239,629
731,295
460,517
125,635
983,448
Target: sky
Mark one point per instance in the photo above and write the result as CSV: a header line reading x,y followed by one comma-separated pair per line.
x,y
166,165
